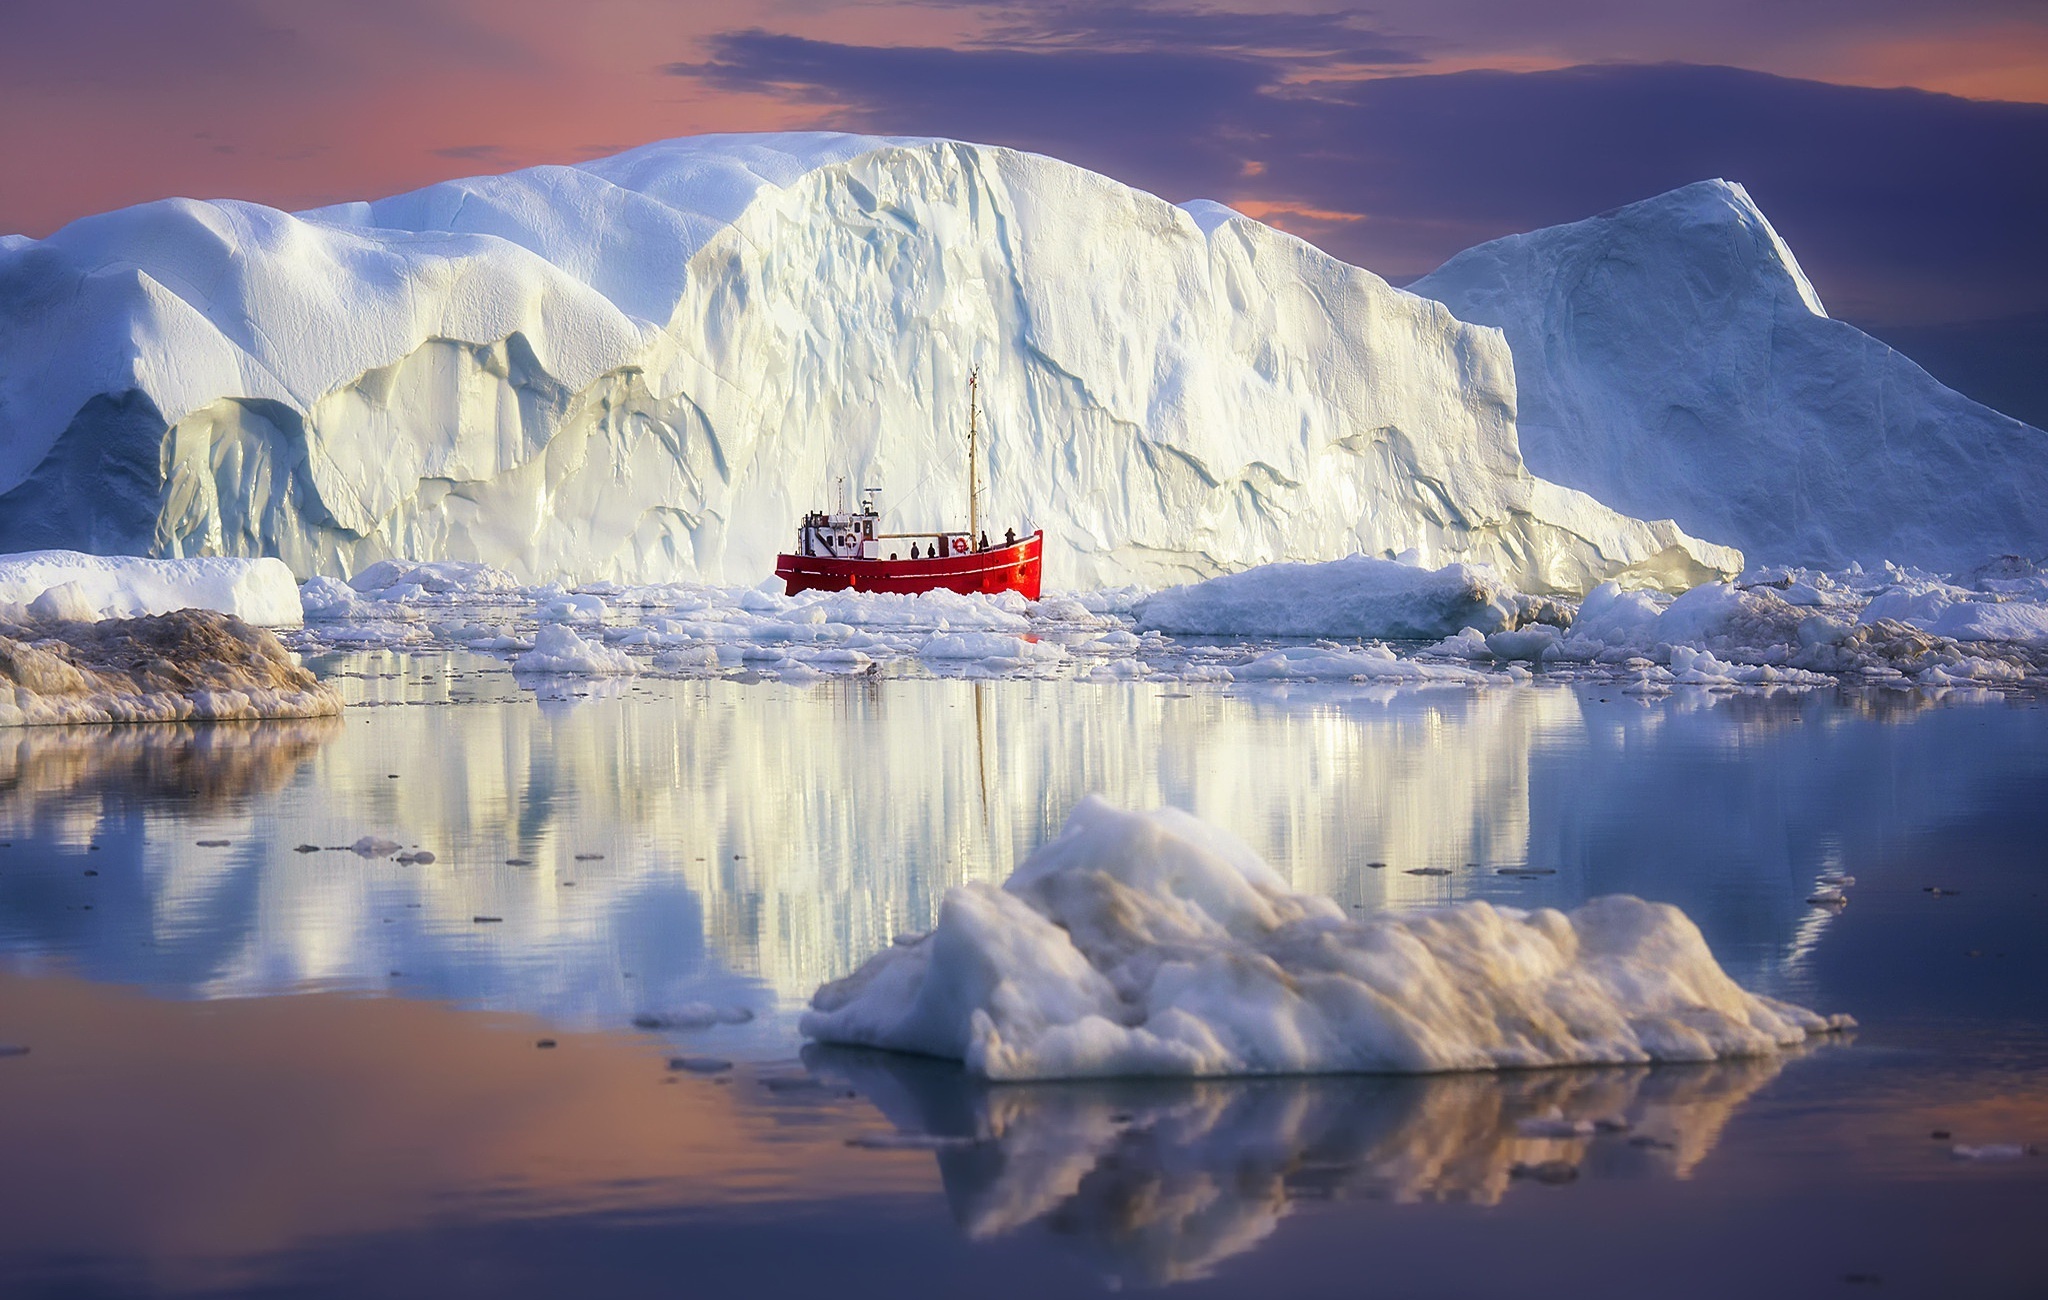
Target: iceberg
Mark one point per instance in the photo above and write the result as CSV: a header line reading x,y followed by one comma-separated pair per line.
x,y
1673,360
643,368
1154,944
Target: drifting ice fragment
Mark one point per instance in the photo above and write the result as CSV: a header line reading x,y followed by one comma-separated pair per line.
x,y
1154,944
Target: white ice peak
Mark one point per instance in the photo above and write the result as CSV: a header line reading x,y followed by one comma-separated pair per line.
x,y
1672,359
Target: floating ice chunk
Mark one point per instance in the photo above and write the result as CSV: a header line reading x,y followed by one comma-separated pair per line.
x,y
557,649
695,659
1373,663
992,646
1354,597
372,846
76,586
1532,643
1920,604
573,608
328,598
1466,643
187,665
2025,623
401,579
1154,944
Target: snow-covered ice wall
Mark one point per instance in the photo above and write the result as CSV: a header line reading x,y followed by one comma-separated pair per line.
x,y
1673,360
648,366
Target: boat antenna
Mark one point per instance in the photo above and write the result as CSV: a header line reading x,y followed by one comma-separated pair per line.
x,y
842,494
973,475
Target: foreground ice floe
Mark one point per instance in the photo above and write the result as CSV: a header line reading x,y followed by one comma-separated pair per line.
x,y
75,586
1155,944
187,665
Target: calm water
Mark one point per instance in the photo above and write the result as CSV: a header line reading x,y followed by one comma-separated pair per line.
x,y
260,1070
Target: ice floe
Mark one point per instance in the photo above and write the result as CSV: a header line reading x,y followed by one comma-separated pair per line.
x,y
1459,626
557,649
69,585
1155,944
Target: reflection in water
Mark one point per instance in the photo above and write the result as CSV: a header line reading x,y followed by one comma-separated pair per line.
x,y
714,842
1158,1182
49,775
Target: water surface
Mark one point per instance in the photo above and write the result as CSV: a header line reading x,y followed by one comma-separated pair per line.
x,y
260,1070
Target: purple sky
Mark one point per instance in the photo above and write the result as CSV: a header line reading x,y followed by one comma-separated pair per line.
x,y
1901,146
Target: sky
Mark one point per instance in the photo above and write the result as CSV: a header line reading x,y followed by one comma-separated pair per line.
x,y
1901,146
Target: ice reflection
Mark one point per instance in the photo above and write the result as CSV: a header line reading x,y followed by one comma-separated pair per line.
x,y
674,843
1153,1183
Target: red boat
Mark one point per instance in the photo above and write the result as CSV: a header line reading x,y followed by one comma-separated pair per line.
x,y
848,550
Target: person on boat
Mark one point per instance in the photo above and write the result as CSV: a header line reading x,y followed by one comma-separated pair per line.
x,y
913,551
984,539
1009,537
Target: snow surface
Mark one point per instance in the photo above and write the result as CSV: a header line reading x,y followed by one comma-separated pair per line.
x,y
189,665
71,585
1673,360
1155,944
645,368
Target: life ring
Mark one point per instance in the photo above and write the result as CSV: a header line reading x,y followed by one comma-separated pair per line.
x,y
959,546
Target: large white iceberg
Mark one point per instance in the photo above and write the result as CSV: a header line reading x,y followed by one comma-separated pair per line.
x,y
1154,944
1673,360
645,367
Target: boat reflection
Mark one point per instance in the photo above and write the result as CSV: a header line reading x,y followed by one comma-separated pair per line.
x,y
1155,1182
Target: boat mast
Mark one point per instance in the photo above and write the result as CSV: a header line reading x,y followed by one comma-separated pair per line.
x,y
973,475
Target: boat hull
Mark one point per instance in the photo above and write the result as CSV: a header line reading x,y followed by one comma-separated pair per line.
x,y
1000,568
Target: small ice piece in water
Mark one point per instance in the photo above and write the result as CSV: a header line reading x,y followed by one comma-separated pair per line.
x,y
371,846
558,650
421,858
1154,944
1530,643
